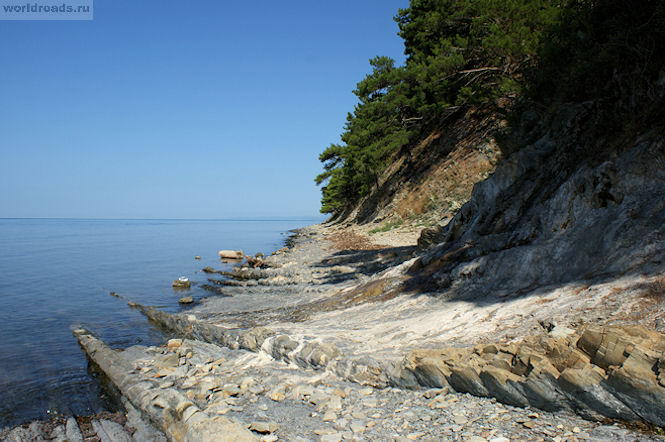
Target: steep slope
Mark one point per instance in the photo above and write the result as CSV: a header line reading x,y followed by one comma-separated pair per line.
x,y
434,179
553,215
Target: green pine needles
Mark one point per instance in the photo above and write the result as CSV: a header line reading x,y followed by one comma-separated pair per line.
x,y
472,52
459,52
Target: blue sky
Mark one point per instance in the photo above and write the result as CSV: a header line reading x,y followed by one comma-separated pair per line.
x,y
190,109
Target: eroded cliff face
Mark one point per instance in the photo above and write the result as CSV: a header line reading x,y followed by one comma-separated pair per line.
x,y
559,211
434,179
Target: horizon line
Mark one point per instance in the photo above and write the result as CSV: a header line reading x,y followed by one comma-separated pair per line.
x,y
240,218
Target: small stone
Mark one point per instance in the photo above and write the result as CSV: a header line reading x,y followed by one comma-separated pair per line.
x,y
371,403
577,430
529,424
460,420
357,426
231,390
263,427
476,439
186,300
164,372
174,344
332,437
114,431
500,439
560,427
323,431
366,391
329,416
247,383
72,430
277,396
415,436
263,407
334,403
167,384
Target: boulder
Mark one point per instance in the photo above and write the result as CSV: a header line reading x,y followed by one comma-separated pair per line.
x,y
263,427
231,254
181,284
256,261
610,372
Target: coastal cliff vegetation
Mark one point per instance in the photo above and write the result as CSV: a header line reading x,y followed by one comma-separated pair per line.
x,y
505,58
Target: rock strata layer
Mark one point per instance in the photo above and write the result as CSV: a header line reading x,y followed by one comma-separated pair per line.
x,y
613,372
170,410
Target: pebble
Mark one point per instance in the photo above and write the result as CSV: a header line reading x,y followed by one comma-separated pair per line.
x,y
263,427
332,437
357,426
370,403
323,431
277,396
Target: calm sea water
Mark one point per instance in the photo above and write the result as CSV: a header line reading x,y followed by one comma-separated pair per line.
x,y
56,275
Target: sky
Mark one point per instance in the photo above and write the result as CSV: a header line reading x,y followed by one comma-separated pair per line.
x,y
189,109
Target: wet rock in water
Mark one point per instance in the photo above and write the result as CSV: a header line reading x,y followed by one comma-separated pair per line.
x,y
214,289
186,300
208,270
114,294
256,262
231,254
197,257
182,283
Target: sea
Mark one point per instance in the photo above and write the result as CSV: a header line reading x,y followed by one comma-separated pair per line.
x,y
57,275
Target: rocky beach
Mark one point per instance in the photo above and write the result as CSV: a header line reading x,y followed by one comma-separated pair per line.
x,y
321,341
492,263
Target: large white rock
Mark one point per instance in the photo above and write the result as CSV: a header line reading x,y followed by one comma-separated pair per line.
x,y
231,254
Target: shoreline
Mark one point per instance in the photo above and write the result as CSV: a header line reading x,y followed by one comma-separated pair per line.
x,y
293,343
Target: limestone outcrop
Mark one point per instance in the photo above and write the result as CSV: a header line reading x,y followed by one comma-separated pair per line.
x,y
612,372
175,414
553,214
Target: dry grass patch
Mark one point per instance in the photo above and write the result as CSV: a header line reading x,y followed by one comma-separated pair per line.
x,y
349,240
